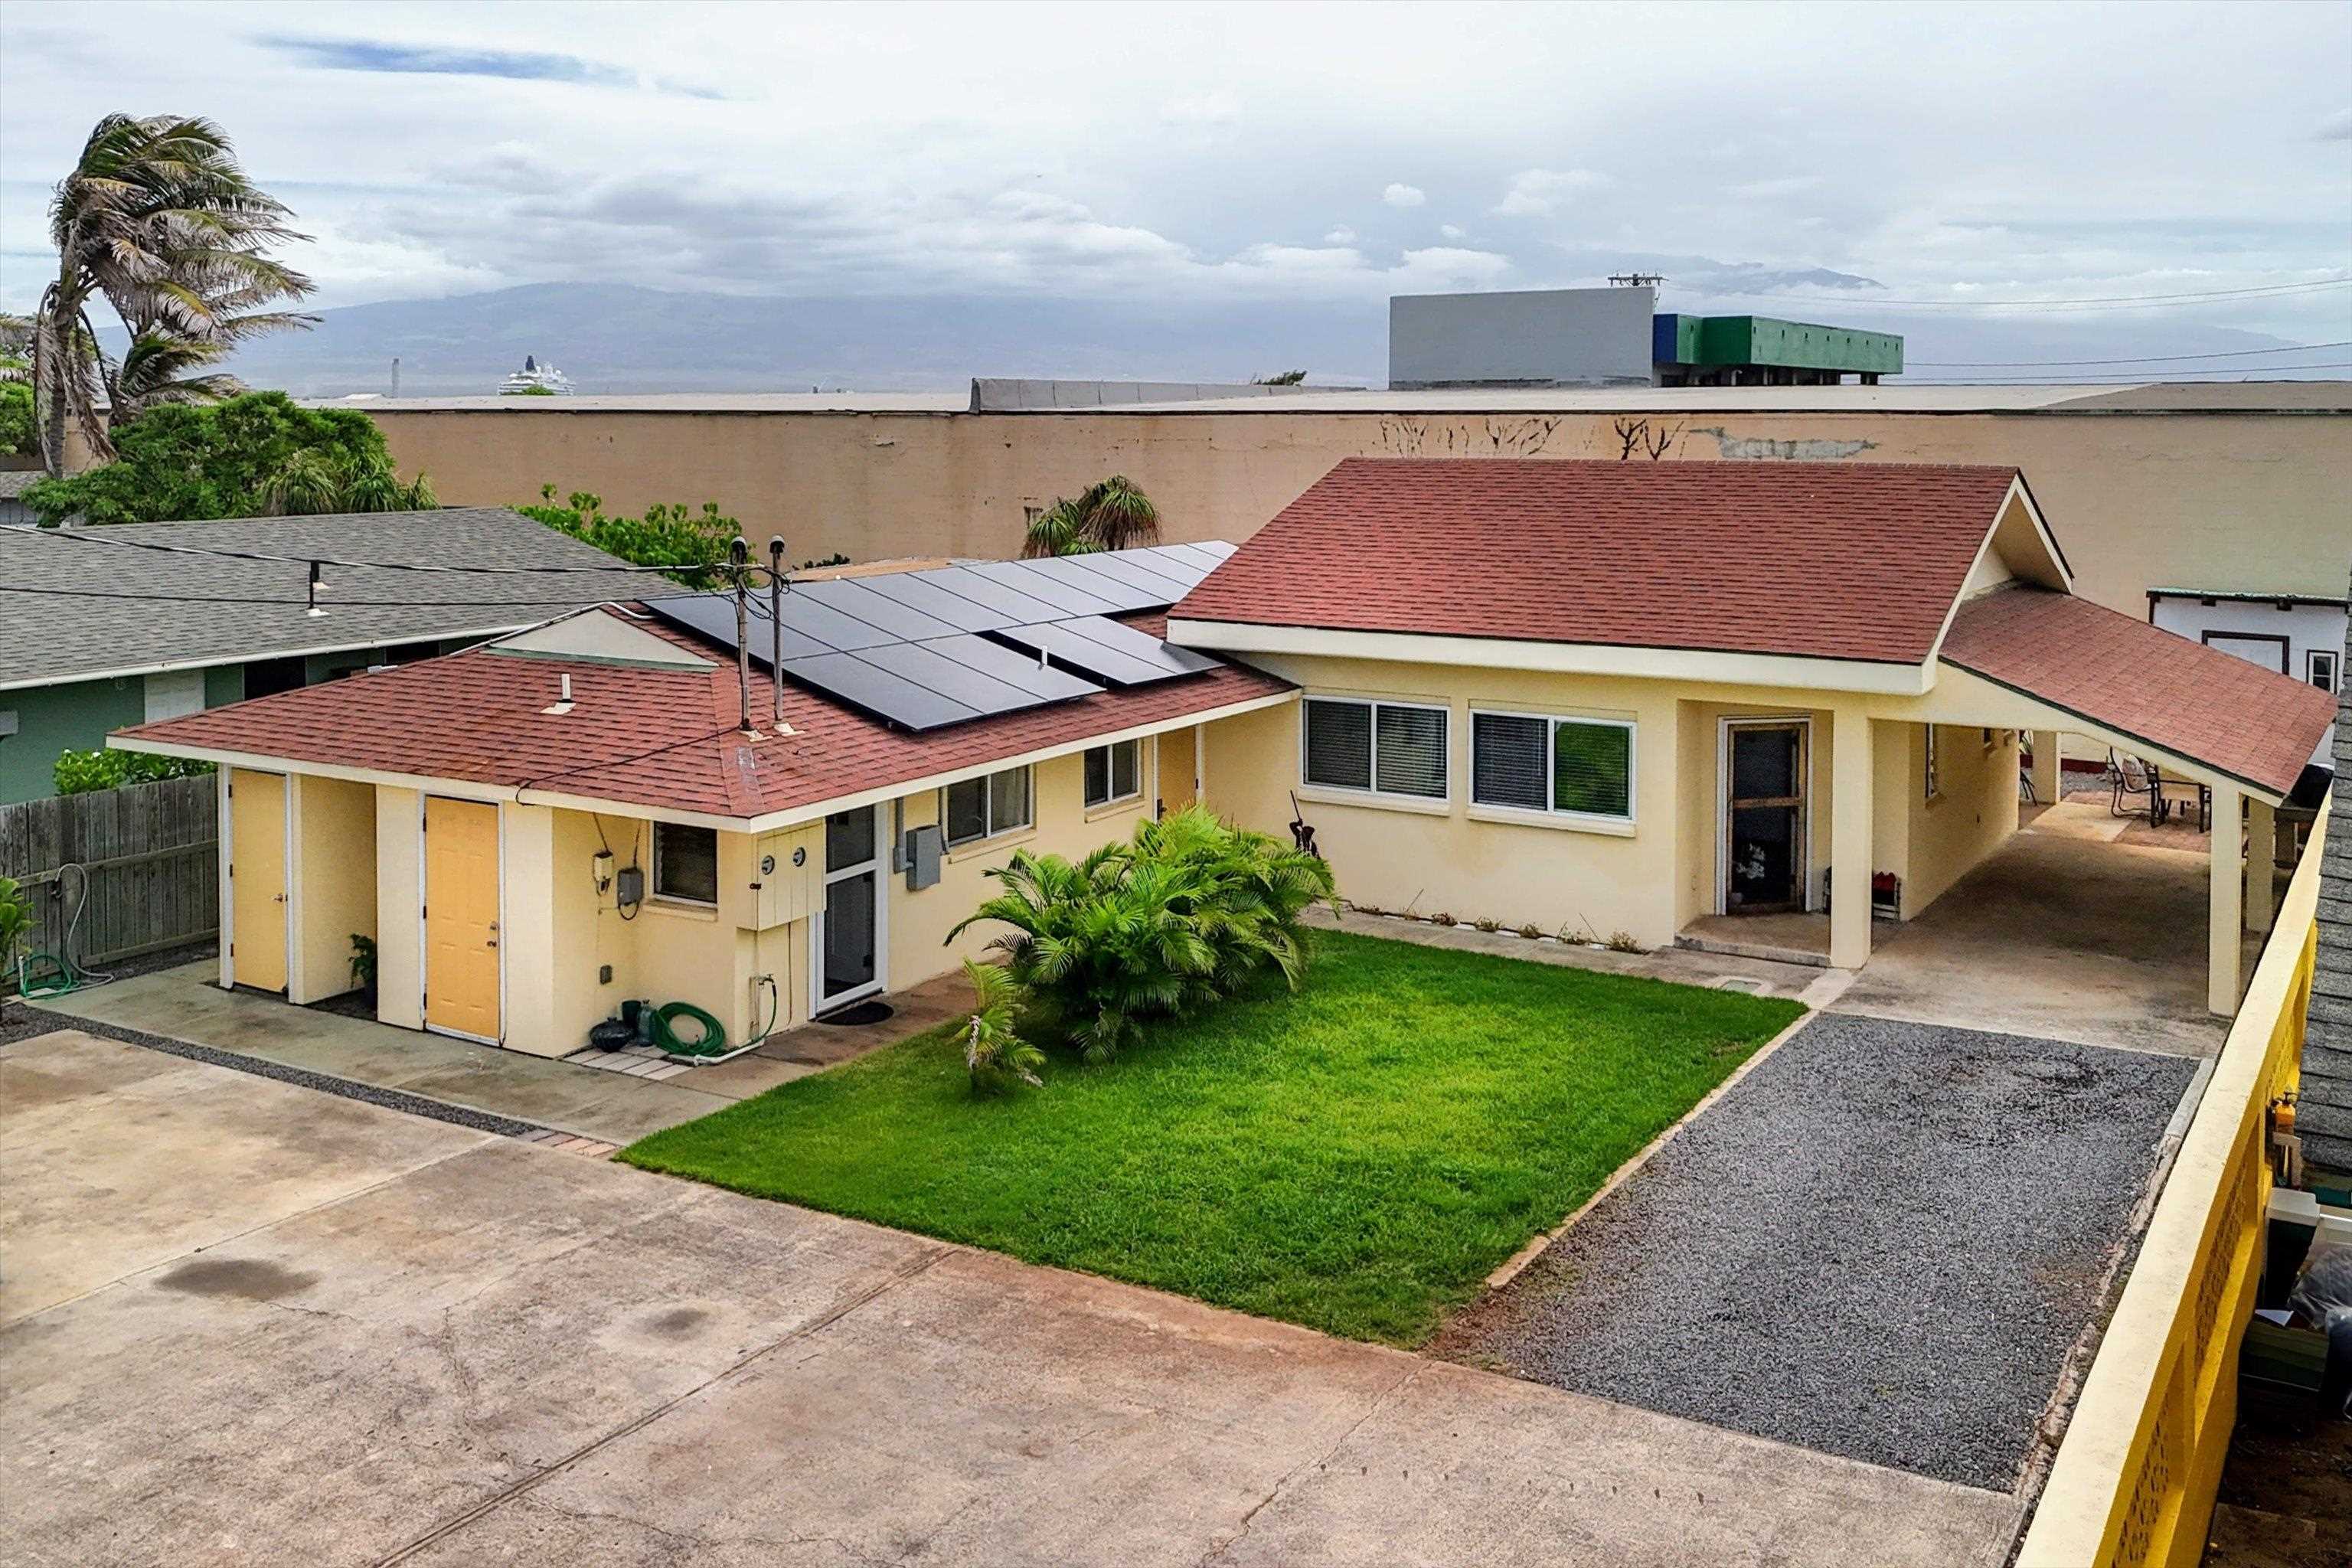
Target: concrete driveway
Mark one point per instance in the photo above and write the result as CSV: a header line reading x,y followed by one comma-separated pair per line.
x,y
243,1321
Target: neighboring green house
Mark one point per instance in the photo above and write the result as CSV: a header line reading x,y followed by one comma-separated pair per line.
x,y
97,632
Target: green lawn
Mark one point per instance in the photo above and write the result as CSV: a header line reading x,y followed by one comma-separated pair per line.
x,y
1356,1157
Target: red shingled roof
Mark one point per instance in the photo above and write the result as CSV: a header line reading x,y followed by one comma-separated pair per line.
x,y
2255,724
1857,561
662,739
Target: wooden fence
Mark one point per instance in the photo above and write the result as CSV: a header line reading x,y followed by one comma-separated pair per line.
x,y
2134,1480
149,877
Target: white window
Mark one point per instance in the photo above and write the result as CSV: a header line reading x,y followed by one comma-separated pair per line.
x,y
985,807
1382,748
2319,667
1536,761
1113,772
1932,783
685,864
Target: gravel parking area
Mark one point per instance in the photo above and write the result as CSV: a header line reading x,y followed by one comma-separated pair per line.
x,y
1879,1243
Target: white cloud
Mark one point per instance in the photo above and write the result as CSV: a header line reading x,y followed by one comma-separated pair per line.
x,y
1450,231
1216,107
1537,192
1774,189
1342,234
1398,195
1450,267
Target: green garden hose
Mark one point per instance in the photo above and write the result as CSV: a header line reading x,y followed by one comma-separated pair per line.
x,y
710,1042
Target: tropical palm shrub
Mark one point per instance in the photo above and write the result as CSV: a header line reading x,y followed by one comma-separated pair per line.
x,y
994,1053
1186,914
1110,514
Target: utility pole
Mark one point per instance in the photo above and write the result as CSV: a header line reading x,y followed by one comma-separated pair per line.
x,y
776,628
739,557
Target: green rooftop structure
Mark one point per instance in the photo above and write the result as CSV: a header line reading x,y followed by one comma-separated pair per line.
x,y
1762,350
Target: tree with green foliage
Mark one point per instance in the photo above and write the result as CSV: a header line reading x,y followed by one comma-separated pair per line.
x,y
16,436
994,1054
260,455
667,535
82,773
1281,378
1110,514
159,219
1187,912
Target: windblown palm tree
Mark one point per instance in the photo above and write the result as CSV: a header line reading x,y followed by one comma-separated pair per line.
x,y
158,218
1111,515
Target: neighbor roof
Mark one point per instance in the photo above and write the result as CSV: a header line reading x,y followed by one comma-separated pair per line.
x,y
2213,708
665,740
1850,561
76,604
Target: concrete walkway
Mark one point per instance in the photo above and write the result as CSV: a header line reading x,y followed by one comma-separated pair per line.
x,y
568,1095
244,1322
2058,936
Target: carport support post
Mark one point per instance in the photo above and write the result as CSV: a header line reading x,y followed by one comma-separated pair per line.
x,y
1849,839
2225,890
2046,768
2261,865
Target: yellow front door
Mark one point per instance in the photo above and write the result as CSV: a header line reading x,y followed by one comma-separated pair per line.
x,y
461,917
256,874
1178,769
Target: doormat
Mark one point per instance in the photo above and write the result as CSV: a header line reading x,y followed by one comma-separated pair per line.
x,y
862,1013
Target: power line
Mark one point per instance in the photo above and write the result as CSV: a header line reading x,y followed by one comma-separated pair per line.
x,y
94,536
2136,359
2095,303
331,602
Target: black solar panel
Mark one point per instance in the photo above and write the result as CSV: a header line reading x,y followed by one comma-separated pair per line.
x,y
1139,644
1156,589
1066,648
850,680
1013,667
902,645
903,623
1040,580
968,583
913,590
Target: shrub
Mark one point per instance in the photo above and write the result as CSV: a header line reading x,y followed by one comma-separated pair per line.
x,y
363,963
1183,915
79,772
15,919
993,1051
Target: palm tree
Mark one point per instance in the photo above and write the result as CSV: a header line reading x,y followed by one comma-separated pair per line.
x,y
159,219
1111,515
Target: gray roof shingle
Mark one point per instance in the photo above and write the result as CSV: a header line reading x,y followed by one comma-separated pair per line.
x,y
2324,1112
109,609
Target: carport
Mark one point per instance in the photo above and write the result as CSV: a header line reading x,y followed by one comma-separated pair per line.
x,y
2028,659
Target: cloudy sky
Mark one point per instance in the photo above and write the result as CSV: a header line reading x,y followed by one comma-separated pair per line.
x,y
1765,157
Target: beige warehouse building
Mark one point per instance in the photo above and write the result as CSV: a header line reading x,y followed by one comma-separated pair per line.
x,y
2232,488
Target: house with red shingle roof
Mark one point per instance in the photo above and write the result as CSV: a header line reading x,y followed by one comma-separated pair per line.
x,y
1753,706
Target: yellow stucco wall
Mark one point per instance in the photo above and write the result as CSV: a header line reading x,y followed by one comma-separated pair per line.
x,y
2235,501
334,829
399,957
1649,882
1973,812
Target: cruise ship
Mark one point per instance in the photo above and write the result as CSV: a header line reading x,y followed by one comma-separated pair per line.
x,y
535,380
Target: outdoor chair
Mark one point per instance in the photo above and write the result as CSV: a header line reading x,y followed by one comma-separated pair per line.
x,y
2132,780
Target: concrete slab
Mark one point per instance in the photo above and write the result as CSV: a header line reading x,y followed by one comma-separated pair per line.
x,y
511,1354
184,1004
272,1151
2057,937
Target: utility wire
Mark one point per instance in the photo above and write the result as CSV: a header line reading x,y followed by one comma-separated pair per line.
x,y
2096,302
2136,359
330,602
97,535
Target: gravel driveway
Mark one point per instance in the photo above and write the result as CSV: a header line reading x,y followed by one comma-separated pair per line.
x,y
1880,1243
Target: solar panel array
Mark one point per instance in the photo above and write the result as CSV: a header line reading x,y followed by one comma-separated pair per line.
x,y
923,649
